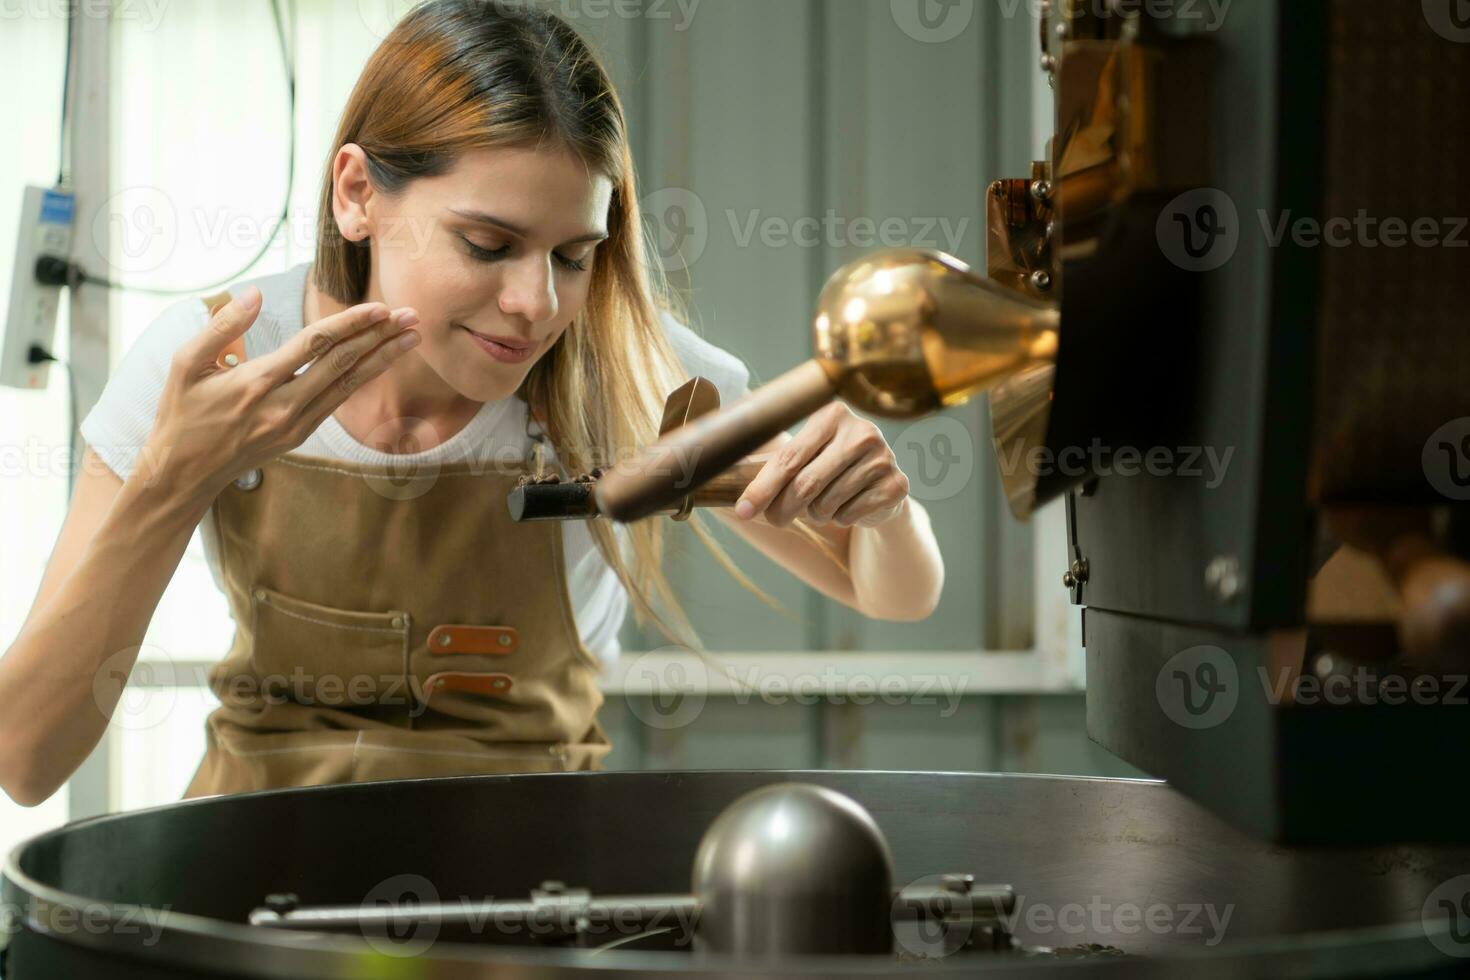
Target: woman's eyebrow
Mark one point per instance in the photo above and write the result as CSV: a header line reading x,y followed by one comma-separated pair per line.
x,y
490,219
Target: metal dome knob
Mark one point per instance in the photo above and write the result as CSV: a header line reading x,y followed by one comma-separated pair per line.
x,y
794,869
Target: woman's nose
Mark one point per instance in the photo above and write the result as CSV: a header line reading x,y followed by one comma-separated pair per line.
x,y
529,290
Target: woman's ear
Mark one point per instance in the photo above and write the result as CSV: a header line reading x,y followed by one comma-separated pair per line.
x,y
352,193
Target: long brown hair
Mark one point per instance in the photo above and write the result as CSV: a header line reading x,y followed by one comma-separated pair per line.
x,y
458,75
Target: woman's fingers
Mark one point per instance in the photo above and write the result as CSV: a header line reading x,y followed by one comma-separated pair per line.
x,y
225,327
837,470
364,370
873,506
834,463
852,482
783,467
333,367
318,340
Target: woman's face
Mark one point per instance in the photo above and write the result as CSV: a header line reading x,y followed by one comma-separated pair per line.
x,y
501,247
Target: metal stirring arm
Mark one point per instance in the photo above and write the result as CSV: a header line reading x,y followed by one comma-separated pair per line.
x,y
556,913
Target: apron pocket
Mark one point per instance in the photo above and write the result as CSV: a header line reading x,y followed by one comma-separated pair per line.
x,y
312,654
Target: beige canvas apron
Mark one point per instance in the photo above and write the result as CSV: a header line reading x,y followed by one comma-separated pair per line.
x,y
393,625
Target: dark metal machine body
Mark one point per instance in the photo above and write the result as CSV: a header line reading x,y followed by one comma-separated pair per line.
x,y
1131,866
1212,223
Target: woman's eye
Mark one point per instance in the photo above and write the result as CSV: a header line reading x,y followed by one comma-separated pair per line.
x,y
484,254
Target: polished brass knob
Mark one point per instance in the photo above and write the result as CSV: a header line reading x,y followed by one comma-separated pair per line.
x,y
900,333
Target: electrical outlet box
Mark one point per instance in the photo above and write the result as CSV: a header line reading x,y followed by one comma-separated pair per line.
x,y
46,222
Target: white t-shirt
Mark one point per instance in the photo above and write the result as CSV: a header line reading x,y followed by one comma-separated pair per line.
x,y
118,426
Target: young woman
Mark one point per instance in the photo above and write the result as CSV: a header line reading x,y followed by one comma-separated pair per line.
x,y
346,434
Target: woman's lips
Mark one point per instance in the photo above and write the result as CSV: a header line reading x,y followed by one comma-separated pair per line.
x,y
508,350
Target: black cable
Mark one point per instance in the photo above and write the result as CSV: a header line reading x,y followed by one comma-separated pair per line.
x,y
71,430
288,58
63,165
39,355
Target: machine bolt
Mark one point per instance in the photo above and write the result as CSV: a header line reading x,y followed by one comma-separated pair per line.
x,y
1222,577
1068,582
1041,190
959,883
1048,63
1041,279
1081,570
282,904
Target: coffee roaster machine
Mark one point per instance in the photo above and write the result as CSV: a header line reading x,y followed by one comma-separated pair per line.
x,y
1204,263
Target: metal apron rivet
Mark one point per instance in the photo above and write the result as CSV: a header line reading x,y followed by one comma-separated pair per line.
x,y
505,639
260,594
248,481
444,640
397,622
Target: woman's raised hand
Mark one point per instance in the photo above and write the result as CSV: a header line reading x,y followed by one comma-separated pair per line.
x,y
214,422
